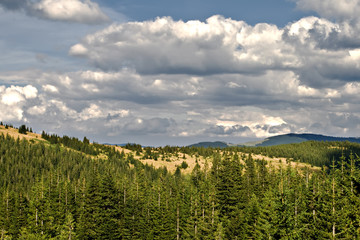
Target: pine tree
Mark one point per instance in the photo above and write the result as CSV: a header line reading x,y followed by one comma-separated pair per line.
x,y
23,129
90,220
109,212
67,230
231,198
26,234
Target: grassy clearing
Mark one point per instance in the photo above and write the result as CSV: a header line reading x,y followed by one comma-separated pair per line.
x,y
172,162
12,132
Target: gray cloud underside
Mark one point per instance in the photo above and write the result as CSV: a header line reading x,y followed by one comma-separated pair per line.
x,y
128,104
14,4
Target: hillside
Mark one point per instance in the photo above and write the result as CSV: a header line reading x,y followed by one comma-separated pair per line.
x,y
279,140
217,144
15,133
54,187
174,158
298,138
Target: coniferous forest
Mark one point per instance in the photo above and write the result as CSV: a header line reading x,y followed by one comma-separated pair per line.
x,y
64,188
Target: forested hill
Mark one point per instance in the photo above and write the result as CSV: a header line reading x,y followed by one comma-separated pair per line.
x,y
297,138
216,144
315,153
54,187
279,140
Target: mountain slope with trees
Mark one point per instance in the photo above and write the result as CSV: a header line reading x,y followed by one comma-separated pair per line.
x,y
303,137
279,140
70,189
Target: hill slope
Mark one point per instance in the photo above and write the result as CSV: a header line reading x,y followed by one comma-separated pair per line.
x,y
216,144
13,132
298,138
62,188
279,140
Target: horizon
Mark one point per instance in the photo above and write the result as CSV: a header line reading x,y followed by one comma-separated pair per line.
x,y
245,141
175,73
187,144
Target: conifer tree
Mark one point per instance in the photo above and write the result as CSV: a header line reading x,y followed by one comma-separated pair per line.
x,y
89,222
109,212
67,230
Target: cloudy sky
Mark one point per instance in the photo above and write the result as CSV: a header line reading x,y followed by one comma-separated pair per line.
x,y
176,72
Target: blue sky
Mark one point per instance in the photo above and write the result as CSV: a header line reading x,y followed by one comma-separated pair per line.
x,y
177,72
279,12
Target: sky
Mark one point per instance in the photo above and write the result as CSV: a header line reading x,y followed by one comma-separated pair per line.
x,y
168,72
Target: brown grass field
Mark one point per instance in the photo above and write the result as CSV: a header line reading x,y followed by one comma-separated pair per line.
x,y
171,165
15,134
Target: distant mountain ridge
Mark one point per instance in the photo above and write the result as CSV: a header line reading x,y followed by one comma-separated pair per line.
x,y
302,137
216,144
280,139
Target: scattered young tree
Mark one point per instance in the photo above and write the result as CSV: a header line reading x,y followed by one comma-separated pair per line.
x,y
23,129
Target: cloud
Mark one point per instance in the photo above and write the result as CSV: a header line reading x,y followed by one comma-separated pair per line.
x,y
50,88
80,11
96,112
125,85
280,129
12,97
14,4
324,50
131,105
14,100
219,78
36,110
221,130
341,10
124,102
78,50
345,120
14,94
70,10
275,89
321,36
42,58
148,126
218,45
321,53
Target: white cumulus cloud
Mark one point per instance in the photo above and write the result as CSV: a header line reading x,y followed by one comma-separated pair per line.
x,y
78,50
319,51
14,101
82,11
166,46
15,94
342,10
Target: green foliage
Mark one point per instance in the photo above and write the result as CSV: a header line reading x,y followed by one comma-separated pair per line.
x,y
184,165
134,147
312,152
23,129
74,143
